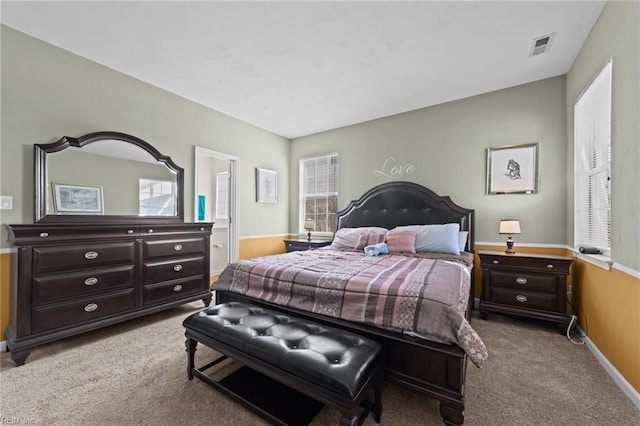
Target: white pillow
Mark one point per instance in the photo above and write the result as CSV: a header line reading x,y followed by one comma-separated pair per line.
x,y
348,237
436,238
462,240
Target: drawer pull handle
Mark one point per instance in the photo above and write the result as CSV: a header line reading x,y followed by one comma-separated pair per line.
x,y
495,262
150,231
177,268
549,266
177,247
44,234
177,287
129,231
202,229
91,307
521,280
91,281
91,255
521,298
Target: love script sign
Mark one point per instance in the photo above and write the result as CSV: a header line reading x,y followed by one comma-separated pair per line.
x,y
391,169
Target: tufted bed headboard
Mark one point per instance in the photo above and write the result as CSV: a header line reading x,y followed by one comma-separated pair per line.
x,y
405,203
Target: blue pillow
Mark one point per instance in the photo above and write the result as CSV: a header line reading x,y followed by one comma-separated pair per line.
x,y
376,249
436,238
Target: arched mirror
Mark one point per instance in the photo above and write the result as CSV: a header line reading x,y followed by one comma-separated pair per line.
x,y
106,177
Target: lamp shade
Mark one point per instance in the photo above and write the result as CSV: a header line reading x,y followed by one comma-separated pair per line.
x,y
309,224
509,226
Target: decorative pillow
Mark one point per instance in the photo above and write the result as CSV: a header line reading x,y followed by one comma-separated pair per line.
x,y
435,238
369,239
348,237
462,240
401,241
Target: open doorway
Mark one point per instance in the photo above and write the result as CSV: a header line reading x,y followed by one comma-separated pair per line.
x,y
216,200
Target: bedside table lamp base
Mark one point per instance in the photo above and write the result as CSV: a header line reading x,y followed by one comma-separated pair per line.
x,y
510,249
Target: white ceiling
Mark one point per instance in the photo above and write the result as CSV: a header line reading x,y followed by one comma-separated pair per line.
x,y
298,68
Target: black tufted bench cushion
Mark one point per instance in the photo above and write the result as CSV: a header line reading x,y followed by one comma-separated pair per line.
x,y
337,367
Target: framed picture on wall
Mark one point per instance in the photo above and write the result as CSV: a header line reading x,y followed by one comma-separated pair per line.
x,y
77,199
266,185
512,169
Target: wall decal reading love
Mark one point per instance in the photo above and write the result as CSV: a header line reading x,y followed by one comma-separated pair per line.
x,y
391,169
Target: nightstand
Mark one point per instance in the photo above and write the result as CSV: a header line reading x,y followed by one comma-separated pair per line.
x,y
304,244
525,284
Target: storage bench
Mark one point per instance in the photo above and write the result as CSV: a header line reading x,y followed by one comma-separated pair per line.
x,y
288,360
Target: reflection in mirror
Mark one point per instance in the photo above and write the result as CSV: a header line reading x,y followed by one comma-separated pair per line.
x,y
132,181
106,173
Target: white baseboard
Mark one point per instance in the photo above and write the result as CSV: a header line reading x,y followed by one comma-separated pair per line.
x,y
3,346
622,383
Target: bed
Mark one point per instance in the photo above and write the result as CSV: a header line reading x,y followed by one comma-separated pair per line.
x,y
427,349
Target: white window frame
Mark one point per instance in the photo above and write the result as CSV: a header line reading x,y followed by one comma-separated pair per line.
x,y
302,196
172,193
592,164
222,195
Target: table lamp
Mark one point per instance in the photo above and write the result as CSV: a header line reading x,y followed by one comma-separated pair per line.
x,y
509,227
308,226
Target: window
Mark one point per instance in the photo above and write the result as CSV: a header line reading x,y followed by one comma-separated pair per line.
x,y
156,197
319,192
222,195
592,164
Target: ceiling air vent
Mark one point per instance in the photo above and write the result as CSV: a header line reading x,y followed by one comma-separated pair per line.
x,y
541,44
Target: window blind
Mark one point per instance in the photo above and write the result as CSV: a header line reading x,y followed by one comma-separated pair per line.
x,y
592,164
319,192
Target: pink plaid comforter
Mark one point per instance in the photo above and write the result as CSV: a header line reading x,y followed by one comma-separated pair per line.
x,y
424,293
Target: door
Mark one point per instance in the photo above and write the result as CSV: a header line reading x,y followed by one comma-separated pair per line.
x,y
216,201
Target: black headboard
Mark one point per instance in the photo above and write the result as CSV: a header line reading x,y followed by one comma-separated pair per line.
x,y
405,203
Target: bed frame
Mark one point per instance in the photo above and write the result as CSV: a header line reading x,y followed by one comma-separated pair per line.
x,y
436,369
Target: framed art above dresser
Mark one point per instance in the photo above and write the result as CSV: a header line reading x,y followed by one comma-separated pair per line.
x,y
73,273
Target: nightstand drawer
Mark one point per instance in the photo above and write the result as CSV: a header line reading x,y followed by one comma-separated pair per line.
x,y
550,265
300,245
524,282
524,299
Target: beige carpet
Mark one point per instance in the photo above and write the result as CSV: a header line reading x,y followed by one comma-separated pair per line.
x,y
135,374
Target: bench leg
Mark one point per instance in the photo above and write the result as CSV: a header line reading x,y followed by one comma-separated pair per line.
x,y
191,351
377,401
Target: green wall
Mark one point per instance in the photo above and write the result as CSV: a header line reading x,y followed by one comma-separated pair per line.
x,y
447,145
48,93
616,36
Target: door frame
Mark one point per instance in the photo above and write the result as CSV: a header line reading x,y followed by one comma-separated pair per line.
x,y
234,192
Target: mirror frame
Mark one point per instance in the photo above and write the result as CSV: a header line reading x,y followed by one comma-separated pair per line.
x,y
40,180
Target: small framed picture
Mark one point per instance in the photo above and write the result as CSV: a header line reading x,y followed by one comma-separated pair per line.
x,y
77,199
512,169
266,186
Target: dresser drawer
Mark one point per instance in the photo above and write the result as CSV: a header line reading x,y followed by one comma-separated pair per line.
x,y
522,299
172,290
163,248
64,258
71,285
524,281
59,315
173,269
550,265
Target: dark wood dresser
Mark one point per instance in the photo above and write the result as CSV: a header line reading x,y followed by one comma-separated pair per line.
x,y
68,279
304,244
525,284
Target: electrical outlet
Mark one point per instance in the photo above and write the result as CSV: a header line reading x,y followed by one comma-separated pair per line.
x,y
570,292
6,202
